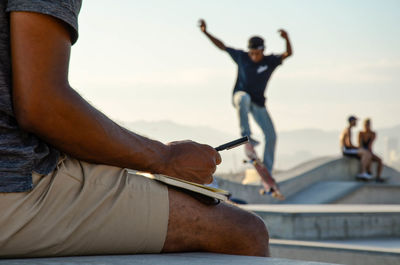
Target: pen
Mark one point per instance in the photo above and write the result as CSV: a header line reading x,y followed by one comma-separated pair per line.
x,y
232,144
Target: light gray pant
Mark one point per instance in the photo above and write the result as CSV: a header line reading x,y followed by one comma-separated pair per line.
x,y
243,105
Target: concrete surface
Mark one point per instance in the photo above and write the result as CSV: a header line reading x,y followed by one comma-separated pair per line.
x,y
324,192
372,194
293,181
162,259
322,222
342,253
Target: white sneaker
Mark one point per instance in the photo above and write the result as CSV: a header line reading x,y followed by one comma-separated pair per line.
x,y
365,176
369,176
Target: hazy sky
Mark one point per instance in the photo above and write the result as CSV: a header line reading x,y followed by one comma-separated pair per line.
x,y
147,60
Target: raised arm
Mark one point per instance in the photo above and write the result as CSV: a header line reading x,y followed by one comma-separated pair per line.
x,y
46,105
289,51
217,42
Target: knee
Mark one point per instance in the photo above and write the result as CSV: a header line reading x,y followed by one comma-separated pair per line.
x,y
257,237
366,154
261,238
242,99
261,231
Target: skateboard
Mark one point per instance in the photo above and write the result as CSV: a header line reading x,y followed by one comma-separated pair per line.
x,y
269,185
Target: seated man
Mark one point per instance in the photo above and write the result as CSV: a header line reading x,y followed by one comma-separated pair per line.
x,y
365,140
348,149
64,187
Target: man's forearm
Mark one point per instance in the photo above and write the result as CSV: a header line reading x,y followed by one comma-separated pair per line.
x,y
216,41
288,47
75,127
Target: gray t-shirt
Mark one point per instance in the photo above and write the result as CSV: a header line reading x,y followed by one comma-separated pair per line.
x,y
21,153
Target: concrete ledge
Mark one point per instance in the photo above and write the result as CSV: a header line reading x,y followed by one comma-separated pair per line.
x,y
321,222
333,252
162,259
325,208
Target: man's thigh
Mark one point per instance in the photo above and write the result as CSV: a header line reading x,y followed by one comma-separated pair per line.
x,y
85,209
222,228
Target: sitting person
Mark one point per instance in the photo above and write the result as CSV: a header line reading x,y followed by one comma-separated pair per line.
x,y
64,184
348,149
365,140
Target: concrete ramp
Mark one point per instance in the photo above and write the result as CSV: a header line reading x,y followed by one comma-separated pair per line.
x,y
372,193
346,192
302,177
324,192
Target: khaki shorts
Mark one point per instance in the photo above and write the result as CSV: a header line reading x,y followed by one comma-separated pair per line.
x,y
84,209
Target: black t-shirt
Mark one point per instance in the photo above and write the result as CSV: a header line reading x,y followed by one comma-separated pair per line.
x,y
253,77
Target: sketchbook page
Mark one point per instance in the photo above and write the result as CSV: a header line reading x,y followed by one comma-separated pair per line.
x,y
185,185
221,191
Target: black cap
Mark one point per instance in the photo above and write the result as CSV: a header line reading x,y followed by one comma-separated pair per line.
x,y
352,118
256,43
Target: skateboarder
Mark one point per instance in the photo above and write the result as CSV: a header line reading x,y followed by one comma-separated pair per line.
x,y
254,71
348,149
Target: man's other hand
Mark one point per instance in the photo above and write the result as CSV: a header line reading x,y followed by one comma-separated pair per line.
x,y
191,161
283,33
202,25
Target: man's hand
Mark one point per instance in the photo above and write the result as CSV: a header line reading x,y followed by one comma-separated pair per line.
x,y
217,42
191,161
289,51
202,25
283,33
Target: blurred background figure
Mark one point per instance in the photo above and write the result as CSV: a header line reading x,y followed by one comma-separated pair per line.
x,y
365,140
350,150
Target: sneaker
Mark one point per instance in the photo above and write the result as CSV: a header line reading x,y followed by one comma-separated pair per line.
x,y
379,180
364,176
369,176
253,141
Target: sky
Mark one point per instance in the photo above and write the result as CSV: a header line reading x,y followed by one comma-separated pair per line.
x,y
148,60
